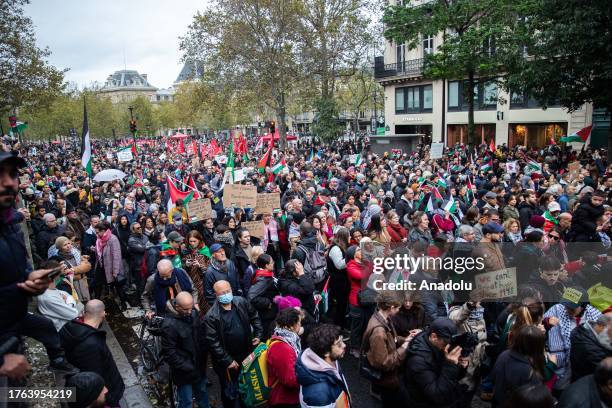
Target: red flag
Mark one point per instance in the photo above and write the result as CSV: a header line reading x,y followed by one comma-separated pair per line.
x,y
134,150
194,148
202,151
192,186
492,146
181,149
552,141
214,148
265,160
168,147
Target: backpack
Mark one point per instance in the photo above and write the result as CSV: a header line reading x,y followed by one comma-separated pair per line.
x,y
253,383
315,264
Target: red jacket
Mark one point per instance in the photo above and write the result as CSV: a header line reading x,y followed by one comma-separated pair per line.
x,y
281,368
396,232
441,224
355,274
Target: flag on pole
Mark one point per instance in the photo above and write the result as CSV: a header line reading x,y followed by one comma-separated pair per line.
x,y
191,183
581,136
265,160
358,159
175,194
441,182
429,208
534,166
280,166
229,169
85,143
492,146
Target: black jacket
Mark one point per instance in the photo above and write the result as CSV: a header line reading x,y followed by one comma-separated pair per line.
x,y
584,221
137,248
510,372
261,296
14,268
241,260
586,352
46,237
183,347
526,211
86,349
584,393
403,207
215,339
430,380
301,288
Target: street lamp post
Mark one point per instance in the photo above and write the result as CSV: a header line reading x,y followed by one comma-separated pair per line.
x,y
132,129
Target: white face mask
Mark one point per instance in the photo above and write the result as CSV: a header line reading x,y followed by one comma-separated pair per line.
x,y
178,222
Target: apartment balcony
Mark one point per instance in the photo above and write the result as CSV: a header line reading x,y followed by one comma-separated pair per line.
x,y
398,70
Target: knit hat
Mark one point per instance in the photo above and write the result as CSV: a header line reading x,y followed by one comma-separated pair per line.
x,y
88,386
350,252
60,242
285,302
537,221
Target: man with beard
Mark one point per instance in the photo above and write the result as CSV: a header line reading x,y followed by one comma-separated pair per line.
x,y
74,224
489,247
528,208
220,268
592,390
18,282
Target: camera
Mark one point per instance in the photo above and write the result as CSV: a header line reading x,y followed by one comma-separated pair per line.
x,y
467,341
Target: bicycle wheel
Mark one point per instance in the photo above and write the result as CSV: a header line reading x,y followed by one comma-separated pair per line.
x,y
148,356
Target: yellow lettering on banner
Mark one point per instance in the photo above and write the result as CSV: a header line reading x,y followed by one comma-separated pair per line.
x,y
572,295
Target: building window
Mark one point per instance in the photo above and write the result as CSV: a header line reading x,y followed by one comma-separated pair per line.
x,y
523,101
428,46
485,96
414,99
399,100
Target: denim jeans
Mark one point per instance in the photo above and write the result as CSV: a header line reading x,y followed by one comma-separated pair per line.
x,y
187,391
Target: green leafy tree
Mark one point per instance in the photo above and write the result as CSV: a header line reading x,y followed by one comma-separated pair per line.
x,y
26,78
478,36
325,124
567,46
357,94
251,46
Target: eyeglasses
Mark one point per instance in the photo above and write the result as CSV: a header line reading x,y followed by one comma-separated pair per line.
x,y
553,237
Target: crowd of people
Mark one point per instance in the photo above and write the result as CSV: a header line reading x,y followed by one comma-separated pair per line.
x,y
306,288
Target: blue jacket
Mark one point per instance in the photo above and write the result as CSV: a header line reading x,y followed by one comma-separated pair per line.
x,y
320,385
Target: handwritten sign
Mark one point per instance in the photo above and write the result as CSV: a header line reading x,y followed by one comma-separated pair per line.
x,y
574,170
255,228
125,155
497,284
572,295
435,152
237,195
199,210
266,203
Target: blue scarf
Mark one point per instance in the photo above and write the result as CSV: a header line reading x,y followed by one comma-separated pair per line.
x,y
161,285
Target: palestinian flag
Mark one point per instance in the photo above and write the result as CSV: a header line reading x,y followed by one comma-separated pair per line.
x,y
358,159
229,169
436,195
321,303
175,194
192,186
429,208
548,217
451,206
265,160
441,182
279,167
581,136
85,143
534,166
486,166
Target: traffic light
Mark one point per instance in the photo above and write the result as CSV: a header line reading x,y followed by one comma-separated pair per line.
x,y
272,126
133,126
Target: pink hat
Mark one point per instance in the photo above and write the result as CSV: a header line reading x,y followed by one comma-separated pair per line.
x,y
285,302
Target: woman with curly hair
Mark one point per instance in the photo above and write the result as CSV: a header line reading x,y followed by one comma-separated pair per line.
x,y
196,256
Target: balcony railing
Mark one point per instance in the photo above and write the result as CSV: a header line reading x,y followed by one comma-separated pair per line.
x,y
409,67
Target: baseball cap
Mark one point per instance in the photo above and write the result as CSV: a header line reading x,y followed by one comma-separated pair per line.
x,y
215,247
12,158
490,195
554,206
492,228
573,297
444,328
177,216
175,237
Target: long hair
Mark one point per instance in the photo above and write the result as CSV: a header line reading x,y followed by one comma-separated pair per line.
x,y
530,342
195,234
342,238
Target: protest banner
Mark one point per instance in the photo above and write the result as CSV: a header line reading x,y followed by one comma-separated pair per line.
x,y
267,203
199,210
435,152
497,284
574,170
255,228
238,195
125,155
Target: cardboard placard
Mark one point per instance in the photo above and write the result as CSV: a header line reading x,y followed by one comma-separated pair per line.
x,y
497,284
574,170
238,195
571,294
199,210
267,203
125,155
255,228
435,151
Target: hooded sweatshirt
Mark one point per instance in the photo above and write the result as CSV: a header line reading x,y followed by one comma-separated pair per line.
x,y
321,385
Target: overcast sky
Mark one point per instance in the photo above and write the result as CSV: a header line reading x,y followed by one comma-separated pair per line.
x,y
91,36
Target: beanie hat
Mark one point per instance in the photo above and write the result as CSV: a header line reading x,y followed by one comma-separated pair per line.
x,y
537,221
350,252
60,242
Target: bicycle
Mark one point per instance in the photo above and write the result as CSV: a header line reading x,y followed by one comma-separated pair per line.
x,y
150,342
